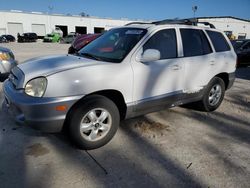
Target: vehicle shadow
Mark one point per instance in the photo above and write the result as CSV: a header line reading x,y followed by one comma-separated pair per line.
x,y
227,141
14,169
134,161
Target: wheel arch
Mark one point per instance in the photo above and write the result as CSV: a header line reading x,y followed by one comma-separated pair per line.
x,y
225,77
113,95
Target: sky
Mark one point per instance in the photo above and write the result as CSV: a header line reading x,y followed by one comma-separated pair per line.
x,y
135,9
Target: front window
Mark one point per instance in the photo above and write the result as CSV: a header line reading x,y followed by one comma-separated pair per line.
x,y
114,45
165,42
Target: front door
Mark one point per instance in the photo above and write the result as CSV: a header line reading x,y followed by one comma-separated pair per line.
x,y
155,82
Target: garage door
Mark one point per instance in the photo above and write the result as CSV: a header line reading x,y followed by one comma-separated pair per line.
x,y
14,28
39,29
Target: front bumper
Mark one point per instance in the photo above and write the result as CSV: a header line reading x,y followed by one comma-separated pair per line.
x,y
47,40
39,113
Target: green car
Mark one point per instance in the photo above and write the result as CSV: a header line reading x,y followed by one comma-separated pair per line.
x,y
53,37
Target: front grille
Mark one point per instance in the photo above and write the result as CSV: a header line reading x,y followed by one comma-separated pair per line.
x,y
16,77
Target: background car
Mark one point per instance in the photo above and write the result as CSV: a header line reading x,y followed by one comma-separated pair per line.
x,y
7,62
3,39
58,31
27,37
81,41
53,37
9,38
242,49
69,38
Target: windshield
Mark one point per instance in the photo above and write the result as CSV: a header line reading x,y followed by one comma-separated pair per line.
x,y
114,45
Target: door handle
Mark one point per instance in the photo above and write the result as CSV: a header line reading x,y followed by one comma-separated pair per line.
x,y
176,67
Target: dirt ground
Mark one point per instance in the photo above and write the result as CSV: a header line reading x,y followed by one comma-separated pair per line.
x,y
177,147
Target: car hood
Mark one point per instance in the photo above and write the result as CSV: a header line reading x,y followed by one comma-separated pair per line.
x,y
45,66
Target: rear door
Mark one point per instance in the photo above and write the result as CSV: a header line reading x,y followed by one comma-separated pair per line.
x,y
198,58
225,55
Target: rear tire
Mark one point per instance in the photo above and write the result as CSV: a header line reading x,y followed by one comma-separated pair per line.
x,y
213,96
93,122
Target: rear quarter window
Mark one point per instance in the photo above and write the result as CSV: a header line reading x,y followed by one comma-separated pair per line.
x,y
219,42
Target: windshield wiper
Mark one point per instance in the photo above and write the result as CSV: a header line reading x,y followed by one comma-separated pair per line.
x,y
90,56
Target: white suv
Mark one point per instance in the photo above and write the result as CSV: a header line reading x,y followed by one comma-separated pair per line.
x,y
128,71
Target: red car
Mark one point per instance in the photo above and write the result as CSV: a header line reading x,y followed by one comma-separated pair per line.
x,y
82,41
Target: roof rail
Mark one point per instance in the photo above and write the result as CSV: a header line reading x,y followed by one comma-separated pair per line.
x,y
131,23
189,21
176,21
207,23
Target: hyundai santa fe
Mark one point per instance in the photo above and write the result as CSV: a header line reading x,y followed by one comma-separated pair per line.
x,y
128,71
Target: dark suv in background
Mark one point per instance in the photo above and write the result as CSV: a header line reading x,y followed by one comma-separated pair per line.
x,y
27,37
242,49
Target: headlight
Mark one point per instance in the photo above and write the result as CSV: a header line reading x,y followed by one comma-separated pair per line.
x,y
36,87
4,56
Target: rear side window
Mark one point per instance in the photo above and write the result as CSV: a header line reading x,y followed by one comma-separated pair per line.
x,y
165,42
195,42
219,41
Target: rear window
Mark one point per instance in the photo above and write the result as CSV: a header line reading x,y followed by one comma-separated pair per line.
x,y
219,41
195,43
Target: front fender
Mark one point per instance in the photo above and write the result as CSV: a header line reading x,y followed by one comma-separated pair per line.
x,y
86,80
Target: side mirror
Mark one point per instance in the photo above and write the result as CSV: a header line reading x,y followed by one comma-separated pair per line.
x,y
150,55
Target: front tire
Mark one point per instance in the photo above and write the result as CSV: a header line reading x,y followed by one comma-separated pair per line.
x,y
93,122
213,96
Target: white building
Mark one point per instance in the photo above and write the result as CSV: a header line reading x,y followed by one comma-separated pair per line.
x,y
13,22
239,28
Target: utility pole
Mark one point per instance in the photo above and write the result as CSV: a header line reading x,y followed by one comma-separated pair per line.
x,y
194,8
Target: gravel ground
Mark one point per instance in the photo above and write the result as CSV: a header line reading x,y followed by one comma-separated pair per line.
x,y
177,147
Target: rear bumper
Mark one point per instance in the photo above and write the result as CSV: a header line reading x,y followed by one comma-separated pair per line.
x,y
39,113
231,78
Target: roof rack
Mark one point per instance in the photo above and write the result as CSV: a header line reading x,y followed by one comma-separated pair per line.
x,y
190,21
131,23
